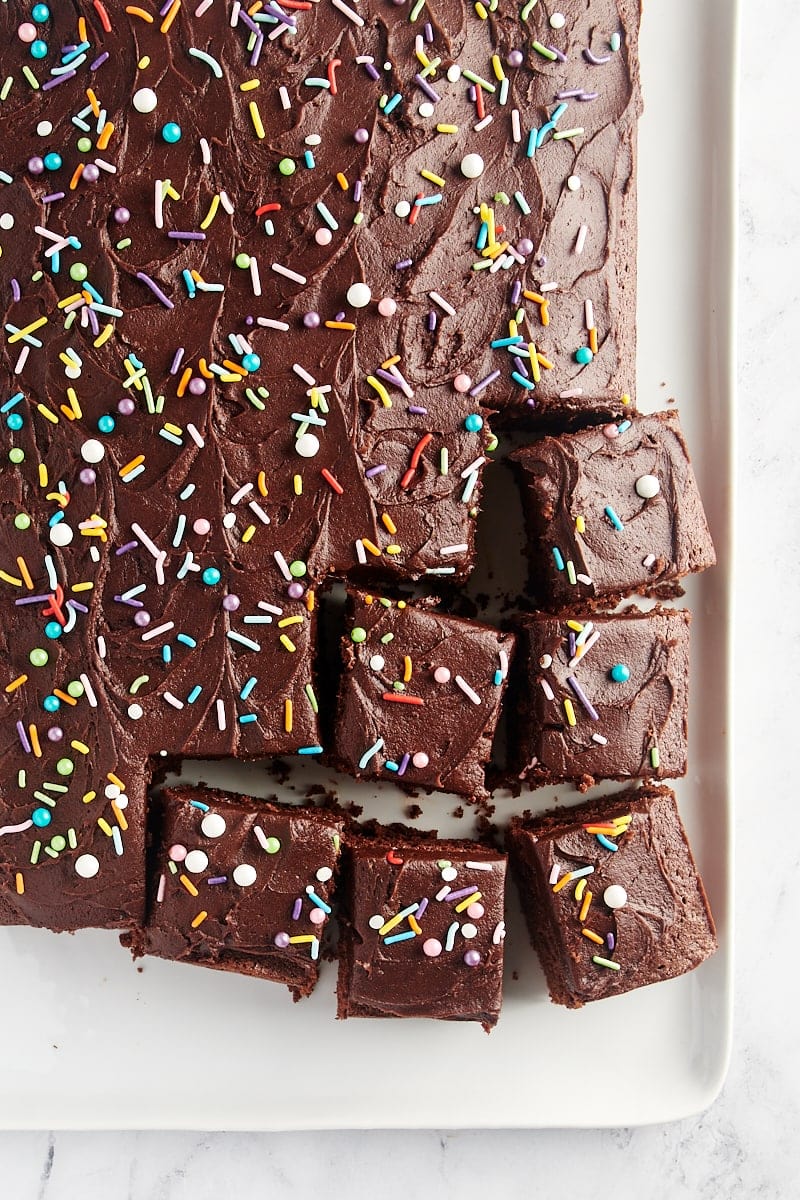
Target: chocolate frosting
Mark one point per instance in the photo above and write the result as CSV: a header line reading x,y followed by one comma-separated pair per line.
x,y
664,927
399,979
583,475
638,724
422,730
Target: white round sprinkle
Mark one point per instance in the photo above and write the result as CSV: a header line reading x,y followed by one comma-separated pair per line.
x,y
44,128
313,139
61,534
6,220
324,874
545,661
72,372
93,451
87,866
426,109
449,874
358,295
469,930
229,520
376,921
112,792
615,896
121,801
558,21
196,861
402,208
454,73
574,183
135,712
647,486
213,825
244,875
145,100
377,662
307,445
472,166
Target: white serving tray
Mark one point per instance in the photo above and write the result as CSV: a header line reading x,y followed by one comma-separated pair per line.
x,y
92,1041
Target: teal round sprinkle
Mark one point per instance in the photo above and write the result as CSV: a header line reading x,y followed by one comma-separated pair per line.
x,y
106,424
171,132
620,673
75,689
41,817
40,13
51,704
358,634
39,657
287,166
52,630
65,766
52,161
14,421
39,49
78,271
583,355
22,521
251,362
297,569
473,423
211,576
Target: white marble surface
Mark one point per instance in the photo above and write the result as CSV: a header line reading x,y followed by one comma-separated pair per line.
x,y
746,1145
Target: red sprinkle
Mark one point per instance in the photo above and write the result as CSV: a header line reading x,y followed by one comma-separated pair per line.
x,y
412,216
337,487
267,208
394,858
481,111
399,698
332,65
103,15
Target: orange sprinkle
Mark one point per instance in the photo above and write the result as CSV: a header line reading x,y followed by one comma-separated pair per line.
x,y
65,696
593,340
544,312
587,900
545,362
201,916
24,572
120,815
288,713
593,937
103,15
73,183
342,181
34,735
339,325
105,135
390,362
535,297
414,923
139,12
237,368
368,545
90,96
82,29
132,465
401,698
19,883
184,381
170,17
337,487
203,367
187,883
389,523
15,683
261,483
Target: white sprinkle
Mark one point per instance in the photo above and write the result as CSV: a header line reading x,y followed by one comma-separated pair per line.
x,y
648,562
173,700
255,277
459,549
440,300
145,540
242,492
269,323
162,558
584,634
548,691
467,690
89,690
22,359
589,309
194,434
258,510
242,640
293,275
590,641
271,608
221,719
162,883
51,571
283,566
554,874
478,866
487,120
443,892
473,466
516,130
361,553
570,393
105,166
101,645
499,933
598,737
226,203
348,12
304,375
582,872
235,14
549,287
580,241
159,204
503,663
156,630
285,101
584,579
261,837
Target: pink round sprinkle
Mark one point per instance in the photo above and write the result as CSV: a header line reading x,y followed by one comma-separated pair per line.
x,y
177,852
420,759
36,165
312,320
201,525
323,237
55,733
295,591
472,958
142,618
197,386
462,383
122,215
387,307
26,32
231,603
525,246
431,948
475,911
91,173
515,58
611,431
361,136
126,407
281,940
316,916
442,675
88,476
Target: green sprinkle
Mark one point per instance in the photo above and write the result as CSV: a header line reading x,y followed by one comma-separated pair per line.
x,y
65,766
123,245
567,133
571,576
36,850
479,80
444,461
31,78
22,521
387,637
615,41
522,202
75,689
38,657
72,839
287,166
501,198
416,10
312,699
527,10
272,845
605,962
6,86
358,634
655,758
545,53
16,455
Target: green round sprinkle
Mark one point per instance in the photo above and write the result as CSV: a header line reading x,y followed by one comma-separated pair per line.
x,y
58,843
272,845
492,443
358,634
398,686
442,863
287,166
65,766
22,521
39,657
242,261
78,271
16,454
84,145
75,689
297,569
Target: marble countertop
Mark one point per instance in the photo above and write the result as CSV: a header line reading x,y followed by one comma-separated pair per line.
x,y
745,1145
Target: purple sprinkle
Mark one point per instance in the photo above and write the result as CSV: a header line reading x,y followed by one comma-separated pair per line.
x,y
155,289
516,292
23,737
256,55
76,604
404,262
93,321
357,189
387,378
588,95
15,292
176,361
98,62
279,16
56,80
423,904
594,59
554,50
572,643
610,940
217,879
427,29
32,600
431,321
281,940
417,410
483,383
247,20
530,401
53,197
459,895
568,95
130,603
372,471
340,316
472,91
426,88
186,235
298,908
128,546
584,699
373,74
162,12
520,365
404,761
472,958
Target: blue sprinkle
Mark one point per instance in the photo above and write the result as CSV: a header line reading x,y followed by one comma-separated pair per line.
x,y
248,687
604,841
399,937
613,518
309,750
532,142
392,104
623,426
186,640
247,718
193,694
391,765
558,558
199,804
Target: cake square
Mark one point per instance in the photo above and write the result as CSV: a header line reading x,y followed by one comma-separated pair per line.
x,y
611,511
420,695
602,697
422,928
611,894
240,885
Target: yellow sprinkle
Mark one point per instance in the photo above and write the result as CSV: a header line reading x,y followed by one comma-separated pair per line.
x,y
481,11
575,625
593,937
587,900
513,328
104,335
414,923
31,78
249,84
381,390
171,15
115,779
288,643
201,916
593,340
82,29
173,428
34,736
407,668
394,549
302,937
342,181
429,175
10,579
169,190
447,129
51,416
89,797
580,524
82,748
298,485
24,572
21,333
498,67
120,815
297,620
368,545
132,465
105,135
570,711
389,523
104,825
212,212
389,925
625,398
288,711
15,683
255,117
248,533
187,883
580,888
73,402
465,903
69,300
562,882
339,325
